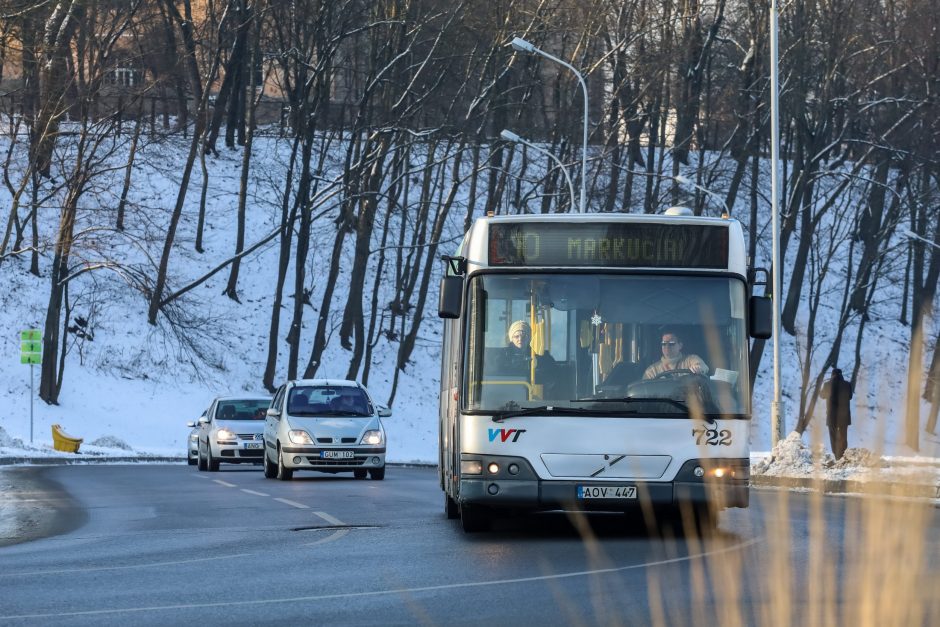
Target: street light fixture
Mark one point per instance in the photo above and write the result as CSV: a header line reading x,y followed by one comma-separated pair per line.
x,y
512,137
521,45
681,180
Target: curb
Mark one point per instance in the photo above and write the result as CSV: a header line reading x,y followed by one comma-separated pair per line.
x,y
847,486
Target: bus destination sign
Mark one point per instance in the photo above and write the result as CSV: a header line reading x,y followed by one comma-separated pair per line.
x,y
611,244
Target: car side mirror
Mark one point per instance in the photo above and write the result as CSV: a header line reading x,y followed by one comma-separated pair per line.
x,y
384,412
203,420
760,317
451,297
273,413
191,424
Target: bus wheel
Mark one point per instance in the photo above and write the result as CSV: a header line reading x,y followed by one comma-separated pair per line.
x,y
450,508
474,519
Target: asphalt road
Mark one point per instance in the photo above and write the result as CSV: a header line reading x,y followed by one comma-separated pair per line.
x,y
167,545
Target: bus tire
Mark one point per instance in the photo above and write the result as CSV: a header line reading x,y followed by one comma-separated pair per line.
x,y
450,508
474,519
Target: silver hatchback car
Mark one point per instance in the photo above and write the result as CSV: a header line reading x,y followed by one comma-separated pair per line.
x,y
230,431
325,425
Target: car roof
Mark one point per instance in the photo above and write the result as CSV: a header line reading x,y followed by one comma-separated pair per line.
x,y
326,382
243,397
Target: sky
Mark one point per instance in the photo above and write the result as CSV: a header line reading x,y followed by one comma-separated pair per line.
x,y
133,387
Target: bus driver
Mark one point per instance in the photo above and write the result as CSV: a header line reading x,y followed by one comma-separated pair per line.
x,y
673,359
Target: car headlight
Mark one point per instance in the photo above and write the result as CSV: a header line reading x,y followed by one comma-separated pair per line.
x,y
373,438
193,437
224,434
299,436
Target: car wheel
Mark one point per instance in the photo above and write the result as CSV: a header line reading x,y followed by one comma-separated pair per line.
x,y
475,518
201,461
377,474
360,473
283,473
190,460
450,508
211,464
270,469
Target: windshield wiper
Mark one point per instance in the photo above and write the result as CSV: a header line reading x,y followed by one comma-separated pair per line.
x,y
635,399
542,409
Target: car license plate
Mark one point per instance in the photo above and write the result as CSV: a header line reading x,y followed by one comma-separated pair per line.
x,y
590,492
337,454
248,445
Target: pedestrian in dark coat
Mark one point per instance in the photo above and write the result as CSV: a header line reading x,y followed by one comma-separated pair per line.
x,y
838,394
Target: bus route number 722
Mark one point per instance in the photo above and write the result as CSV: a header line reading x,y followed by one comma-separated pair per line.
x,y
711,437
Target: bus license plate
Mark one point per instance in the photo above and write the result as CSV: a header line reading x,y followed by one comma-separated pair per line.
x,y
337,454
590,492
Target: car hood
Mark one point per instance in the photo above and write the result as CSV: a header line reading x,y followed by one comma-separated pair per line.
x,y
240,426
335,426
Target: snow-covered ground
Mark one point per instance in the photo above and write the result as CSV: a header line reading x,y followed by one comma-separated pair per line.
x,y
131,389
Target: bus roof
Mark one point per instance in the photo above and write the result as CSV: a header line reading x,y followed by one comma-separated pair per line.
x,y
606,240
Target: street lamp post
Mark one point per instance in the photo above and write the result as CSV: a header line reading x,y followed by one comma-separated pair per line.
x,y
512,137
522,45
776,407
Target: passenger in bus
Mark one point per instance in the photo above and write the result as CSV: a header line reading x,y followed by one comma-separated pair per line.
x,y
517,357
674,359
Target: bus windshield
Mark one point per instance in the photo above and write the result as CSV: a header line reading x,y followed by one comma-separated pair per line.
x,y
612,344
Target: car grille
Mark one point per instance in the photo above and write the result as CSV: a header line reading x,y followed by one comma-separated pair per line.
x,y
316,461
251,437
325,440
349,440
330,440
255,452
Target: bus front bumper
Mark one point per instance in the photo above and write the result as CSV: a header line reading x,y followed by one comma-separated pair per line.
x,y
526,490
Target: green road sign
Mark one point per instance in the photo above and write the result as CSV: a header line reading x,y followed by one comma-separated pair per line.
x,y
31,346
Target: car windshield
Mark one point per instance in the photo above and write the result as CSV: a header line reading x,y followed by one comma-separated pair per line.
x,y
611,344
242,409
317,400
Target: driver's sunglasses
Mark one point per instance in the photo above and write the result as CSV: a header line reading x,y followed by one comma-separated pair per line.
x,y
670,343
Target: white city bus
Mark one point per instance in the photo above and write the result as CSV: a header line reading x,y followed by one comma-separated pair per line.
x,y
581,422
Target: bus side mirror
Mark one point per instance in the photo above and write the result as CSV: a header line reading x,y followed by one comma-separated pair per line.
x,y
760,317
451,297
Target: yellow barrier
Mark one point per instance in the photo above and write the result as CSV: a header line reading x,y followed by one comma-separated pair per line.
x,y
61,441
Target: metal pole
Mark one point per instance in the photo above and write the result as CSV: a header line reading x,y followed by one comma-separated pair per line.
x,y
30,403
776,407
512,137
584,135
524,46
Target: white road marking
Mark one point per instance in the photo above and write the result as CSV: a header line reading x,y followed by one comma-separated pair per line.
x,y
329,519
395,591
254,492
336,535
292,503
92,569
225,483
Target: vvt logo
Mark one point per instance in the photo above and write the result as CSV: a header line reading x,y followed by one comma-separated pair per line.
x,y
505,434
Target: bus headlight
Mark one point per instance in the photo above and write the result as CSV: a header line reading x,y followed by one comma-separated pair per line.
x,y
471,467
